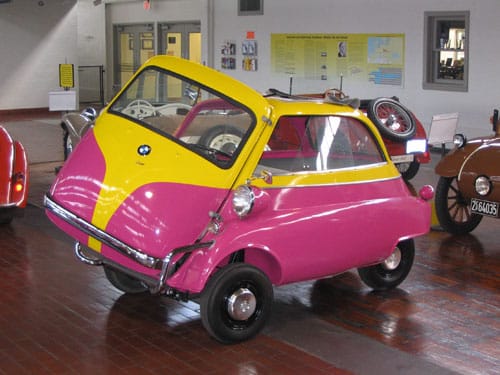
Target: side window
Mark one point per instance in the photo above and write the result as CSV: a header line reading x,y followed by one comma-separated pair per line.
x,y
446,52
341,142
318,143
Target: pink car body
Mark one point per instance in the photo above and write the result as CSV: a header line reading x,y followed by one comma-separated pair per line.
x,y
240,193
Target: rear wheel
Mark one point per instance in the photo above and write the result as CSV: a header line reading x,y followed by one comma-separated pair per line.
x,y
408,170
236,303
124,282
393,270
452,209
6,217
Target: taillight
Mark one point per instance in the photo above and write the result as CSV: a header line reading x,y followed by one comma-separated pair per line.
x,y
18,186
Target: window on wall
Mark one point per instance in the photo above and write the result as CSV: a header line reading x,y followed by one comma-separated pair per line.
x,y
250,7
446,52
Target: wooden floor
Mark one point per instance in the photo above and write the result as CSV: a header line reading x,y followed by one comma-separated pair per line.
x,y
58,316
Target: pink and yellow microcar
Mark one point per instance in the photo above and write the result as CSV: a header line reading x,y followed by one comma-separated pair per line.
x,y
195,186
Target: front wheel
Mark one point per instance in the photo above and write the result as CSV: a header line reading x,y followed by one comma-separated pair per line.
x,y
452,209
67,144
236,303
124,282
393,270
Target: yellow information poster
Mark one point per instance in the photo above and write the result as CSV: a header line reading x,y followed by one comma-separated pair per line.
x,y
66,75
372,58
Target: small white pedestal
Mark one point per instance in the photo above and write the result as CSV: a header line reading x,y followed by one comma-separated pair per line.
x,y
62,101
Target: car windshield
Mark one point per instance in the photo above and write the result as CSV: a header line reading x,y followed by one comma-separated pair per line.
x,y
203,121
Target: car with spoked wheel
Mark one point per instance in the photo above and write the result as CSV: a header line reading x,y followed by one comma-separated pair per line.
x,y
468,188
193,185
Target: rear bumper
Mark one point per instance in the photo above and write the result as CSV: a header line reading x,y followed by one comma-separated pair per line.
x,y
166,264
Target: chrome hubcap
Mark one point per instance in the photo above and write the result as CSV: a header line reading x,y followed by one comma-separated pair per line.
x,y
241,304
392,261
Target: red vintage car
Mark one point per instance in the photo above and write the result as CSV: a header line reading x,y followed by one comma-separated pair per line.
x,y
13,177
403,134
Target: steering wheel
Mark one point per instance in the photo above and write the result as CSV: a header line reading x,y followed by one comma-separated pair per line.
x,y
335,93
139,108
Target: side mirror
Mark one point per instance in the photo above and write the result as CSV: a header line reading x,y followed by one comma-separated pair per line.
x,y
267,176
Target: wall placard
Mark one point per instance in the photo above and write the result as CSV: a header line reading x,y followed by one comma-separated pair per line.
x,y
373,58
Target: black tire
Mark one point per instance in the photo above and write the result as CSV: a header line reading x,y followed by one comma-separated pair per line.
x,y
237,284
124,282
452,209
67,144
408,170
390,273
6,218
225,138
392,119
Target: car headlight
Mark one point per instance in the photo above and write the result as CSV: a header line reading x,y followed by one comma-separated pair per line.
x,y
243,199
459,140
482,185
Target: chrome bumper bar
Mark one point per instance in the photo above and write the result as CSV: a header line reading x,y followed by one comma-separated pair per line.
x,y
163,264
100,235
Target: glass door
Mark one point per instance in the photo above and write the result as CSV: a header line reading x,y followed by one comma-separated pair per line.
x,y
181,40
134,44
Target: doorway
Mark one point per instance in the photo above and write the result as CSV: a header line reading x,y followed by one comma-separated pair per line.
x,y
134,44
181,40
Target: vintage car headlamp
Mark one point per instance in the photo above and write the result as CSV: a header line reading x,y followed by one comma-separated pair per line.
x,y
459,140
482,185
243,199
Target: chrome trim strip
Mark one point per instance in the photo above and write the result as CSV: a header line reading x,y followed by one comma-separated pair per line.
x,y
331,184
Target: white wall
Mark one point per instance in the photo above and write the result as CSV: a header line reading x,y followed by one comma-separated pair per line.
x,y
91,32
34,41
374,16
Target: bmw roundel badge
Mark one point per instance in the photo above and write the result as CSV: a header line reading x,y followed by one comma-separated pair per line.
x,y
144,150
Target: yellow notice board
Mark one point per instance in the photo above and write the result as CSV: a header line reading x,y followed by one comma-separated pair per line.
x,y
66,75
372,58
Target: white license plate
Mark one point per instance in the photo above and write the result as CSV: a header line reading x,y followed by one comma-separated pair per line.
x,y
416,145
402,158
487,208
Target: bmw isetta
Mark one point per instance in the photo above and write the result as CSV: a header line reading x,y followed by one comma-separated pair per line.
x,y
195,186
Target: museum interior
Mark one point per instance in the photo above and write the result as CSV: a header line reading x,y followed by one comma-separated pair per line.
x,y
421,78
